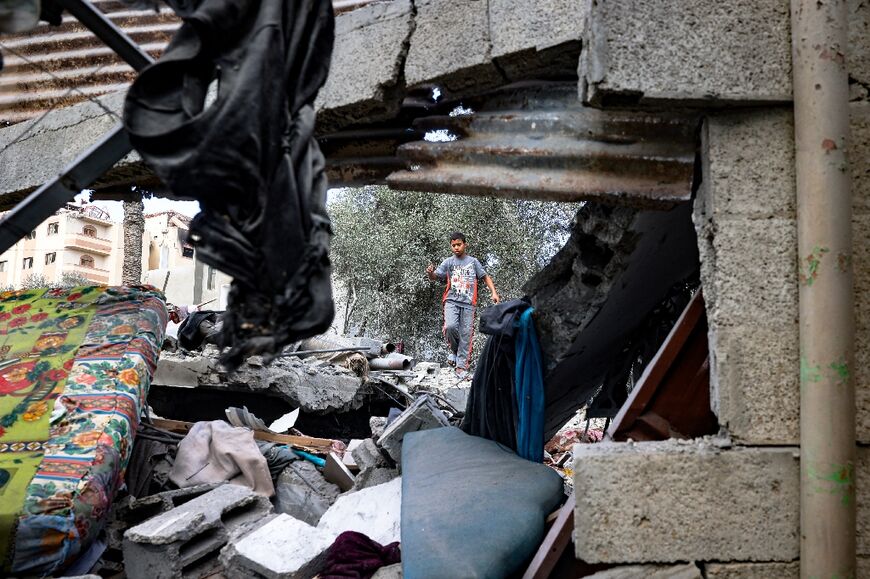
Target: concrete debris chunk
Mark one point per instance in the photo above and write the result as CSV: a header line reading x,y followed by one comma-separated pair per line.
x,y
311,385
184,542
337,473
687,571
377,424
283,548
367,455
389,572
374,511
423,414
348,458
129,511
303,493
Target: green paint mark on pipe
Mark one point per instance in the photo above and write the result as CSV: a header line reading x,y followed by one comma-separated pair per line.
x,y
809,273
840,479
810,374
841,369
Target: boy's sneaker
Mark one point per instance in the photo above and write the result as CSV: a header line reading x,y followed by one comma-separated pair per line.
x,y
462,374
451,361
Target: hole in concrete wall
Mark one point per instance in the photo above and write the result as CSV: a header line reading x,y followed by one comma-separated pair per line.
x,y
242,514
196,404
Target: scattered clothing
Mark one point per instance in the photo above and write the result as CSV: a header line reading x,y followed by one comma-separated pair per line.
x,y
355,556
249,157
506,403
215,451
529,390
277,456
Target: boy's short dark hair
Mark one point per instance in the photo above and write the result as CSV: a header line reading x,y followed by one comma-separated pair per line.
x,y
456,235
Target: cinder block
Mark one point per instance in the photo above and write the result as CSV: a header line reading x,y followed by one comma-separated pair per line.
x,y
282,548
370,48
185,541
451,46
672,501
367,456
518,25
687,571
129,511
757,383
749,164
701,50
790,570
423,414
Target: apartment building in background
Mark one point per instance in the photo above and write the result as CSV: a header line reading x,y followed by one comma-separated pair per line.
x,y
78,239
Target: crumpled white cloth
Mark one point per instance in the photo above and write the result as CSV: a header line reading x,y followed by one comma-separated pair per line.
x,y
216,451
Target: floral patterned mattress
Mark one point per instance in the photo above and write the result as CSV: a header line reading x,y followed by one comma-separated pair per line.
x,y
75,367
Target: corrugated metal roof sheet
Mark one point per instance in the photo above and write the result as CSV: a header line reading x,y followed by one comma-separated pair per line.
x,y
58,66
53,66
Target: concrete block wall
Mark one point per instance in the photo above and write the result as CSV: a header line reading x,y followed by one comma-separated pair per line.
x,y
745,216
700,51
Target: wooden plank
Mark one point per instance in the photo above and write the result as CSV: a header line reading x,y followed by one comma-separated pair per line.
x,y
554,543
659,366
318,445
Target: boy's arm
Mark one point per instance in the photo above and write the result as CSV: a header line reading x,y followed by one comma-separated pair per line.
x,y
436,274
488,281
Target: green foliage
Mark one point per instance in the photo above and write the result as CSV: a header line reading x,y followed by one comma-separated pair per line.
x,y
385,239
36,280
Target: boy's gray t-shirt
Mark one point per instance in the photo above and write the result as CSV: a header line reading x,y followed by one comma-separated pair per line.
x,y
461,274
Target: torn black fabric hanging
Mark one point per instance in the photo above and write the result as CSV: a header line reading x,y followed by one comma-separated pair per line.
x,y
249,158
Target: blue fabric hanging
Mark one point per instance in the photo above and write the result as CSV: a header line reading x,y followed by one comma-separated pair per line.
x,y
529,384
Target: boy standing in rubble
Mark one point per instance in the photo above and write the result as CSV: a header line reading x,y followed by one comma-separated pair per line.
x,y
461,272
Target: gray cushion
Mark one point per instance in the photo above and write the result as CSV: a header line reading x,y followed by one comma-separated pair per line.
x,y
470,507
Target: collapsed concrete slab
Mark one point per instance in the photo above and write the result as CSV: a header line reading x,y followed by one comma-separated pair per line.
x,y
618,264
374,512
185,541
281,548
661,502
316,388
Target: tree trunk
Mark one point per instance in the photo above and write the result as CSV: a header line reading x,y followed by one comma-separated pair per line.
x,y
134,228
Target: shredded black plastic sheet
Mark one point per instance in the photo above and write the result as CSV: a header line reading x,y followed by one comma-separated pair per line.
x,y
249,157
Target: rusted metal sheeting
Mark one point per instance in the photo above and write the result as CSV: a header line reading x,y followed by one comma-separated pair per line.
x,y
364,156
541,143
53,66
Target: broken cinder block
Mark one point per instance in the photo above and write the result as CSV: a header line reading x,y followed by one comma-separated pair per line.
x,y
283,548
423,414
183,542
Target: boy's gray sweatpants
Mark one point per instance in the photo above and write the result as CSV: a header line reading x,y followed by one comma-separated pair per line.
x,y
459,331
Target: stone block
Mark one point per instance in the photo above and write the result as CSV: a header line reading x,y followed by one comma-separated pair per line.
x,y
303,493
450,46
687,571
374,512
185,541
672,501
423,414
696,51
367,455
749,164
371,44
282,548
753,570
129,511
757,385
859,155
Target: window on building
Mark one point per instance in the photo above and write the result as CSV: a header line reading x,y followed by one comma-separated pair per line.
x,y
187,251
52,228
2,266
86,261
31,235
89,231
50,257
28,263
209,284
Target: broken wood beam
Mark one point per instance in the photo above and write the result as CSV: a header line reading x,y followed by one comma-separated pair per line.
x,y
308,443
